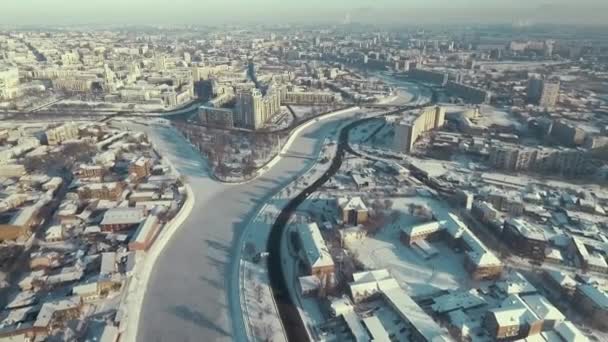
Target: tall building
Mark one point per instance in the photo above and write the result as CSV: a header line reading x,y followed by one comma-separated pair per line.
x,y
408,131
57,135
566,133
469,93
549,160
9,82
429,76
543,92
253,109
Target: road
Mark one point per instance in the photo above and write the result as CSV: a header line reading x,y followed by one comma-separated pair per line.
x,y
191,295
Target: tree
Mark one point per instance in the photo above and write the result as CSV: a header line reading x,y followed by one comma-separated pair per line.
x,y
250,248
388,204
259,293
249,166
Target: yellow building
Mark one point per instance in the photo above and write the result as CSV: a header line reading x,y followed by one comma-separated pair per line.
x,y
408,131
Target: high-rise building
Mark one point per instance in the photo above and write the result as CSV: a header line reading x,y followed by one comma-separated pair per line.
x,y
253,109
543,92
549,95
9,82
547,160
469,93
429,76
408,131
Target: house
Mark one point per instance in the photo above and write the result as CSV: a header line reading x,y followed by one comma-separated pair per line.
x,y
54,233
309,285
111,191
19,223
146,234
511,320
353,210
117,219
561,281
56,312
140,168
423,231
367,283
593,303
522,316
314,252
90,171
525,238
45,260
569,333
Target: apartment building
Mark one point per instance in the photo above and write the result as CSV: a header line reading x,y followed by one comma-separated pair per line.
x,y
57,135
408,130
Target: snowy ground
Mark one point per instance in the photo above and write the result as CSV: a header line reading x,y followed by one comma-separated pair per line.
x,y
258,304
418,276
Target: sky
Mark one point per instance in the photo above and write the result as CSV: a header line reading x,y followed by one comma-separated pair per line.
x,y
60,12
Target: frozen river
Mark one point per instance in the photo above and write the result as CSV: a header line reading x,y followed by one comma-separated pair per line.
x,y
191,294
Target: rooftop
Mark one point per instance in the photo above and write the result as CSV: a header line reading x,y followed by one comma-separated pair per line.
x,y
313,245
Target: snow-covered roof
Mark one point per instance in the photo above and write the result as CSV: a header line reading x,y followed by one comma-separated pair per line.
x,y
367,283
309,283
373,275
516,284
598,296
512,316
569,332
561,278
424,228
48,309
54,232
122,216
457,301
313,245
341,305
376,329
147,227
541,307
354,203
356,328
407,308
24,215
527,229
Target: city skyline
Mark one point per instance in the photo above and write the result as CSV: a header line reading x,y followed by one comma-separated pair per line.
x,y
73,12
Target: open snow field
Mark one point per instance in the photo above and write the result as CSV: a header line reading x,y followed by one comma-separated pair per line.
x,y
420,277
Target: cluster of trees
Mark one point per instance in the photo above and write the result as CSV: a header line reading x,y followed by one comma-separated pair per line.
x,y
220,146
61,162
380,215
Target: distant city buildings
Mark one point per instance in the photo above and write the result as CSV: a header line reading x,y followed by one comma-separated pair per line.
x,y
9,82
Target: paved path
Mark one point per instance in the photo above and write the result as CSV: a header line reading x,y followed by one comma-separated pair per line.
x,y
190,295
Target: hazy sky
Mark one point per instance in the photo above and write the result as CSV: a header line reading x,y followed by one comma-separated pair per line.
x,y
286,11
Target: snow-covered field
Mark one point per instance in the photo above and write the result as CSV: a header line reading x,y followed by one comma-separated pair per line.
x,y
418,276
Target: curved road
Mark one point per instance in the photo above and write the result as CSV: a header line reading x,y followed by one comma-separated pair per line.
x,y
191,293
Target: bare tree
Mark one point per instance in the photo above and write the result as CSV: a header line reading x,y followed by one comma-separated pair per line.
x,y
388,204
250,248
259,293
